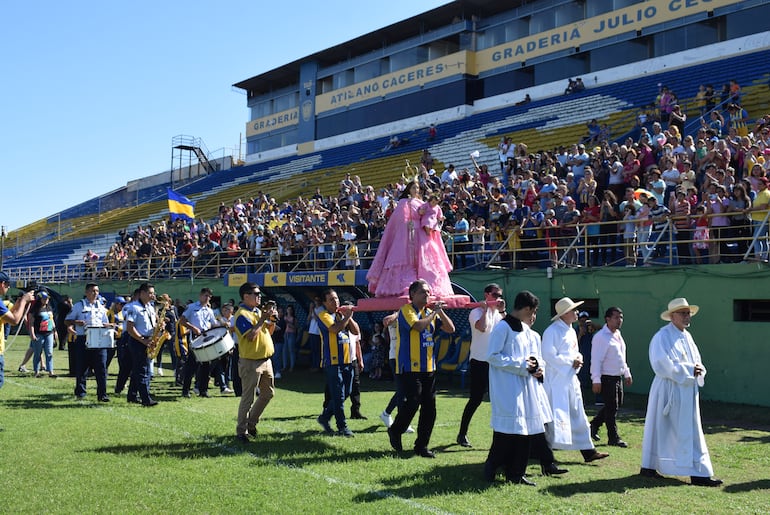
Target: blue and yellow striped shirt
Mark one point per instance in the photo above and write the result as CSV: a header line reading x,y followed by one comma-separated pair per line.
x,y
414,350
335,347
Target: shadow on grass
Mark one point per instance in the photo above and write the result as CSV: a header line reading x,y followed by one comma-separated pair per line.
x,y
272,445
614,485
50,400
762,484
440,480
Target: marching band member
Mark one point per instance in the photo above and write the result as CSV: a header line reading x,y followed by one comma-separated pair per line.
x,y
141,322
198,318
89,312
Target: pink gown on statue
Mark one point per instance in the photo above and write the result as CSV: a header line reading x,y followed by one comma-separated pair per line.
x,y
433,264
395,265
406,252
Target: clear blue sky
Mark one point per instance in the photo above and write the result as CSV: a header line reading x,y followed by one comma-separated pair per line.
x,y
93,91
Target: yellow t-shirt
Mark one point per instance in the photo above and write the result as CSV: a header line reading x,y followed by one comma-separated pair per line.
x,y
6,306
259,348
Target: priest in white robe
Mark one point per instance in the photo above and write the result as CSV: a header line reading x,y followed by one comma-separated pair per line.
x,y
570,429
673,440
519,407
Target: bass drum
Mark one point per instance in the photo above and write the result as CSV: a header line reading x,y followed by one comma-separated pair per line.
x,y
212,345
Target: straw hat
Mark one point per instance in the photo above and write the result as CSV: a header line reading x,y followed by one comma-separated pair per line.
x,y
678,304
565,305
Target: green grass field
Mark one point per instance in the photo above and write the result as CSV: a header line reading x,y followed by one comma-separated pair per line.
x,y
65,456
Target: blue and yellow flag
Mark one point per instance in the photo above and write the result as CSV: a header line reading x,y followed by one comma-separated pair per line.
x,y
180,206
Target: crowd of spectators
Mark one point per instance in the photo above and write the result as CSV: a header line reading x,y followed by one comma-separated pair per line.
x,y
613,198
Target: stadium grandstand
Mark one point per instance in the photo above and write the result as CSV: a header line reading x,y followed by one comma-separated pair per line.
x,y
521,98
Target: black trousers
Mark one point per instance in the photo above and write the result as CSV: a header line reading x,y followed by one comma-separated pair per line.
x,y
479,386
510,452
612,393
201,372
85,360
420,391
124,363
355,391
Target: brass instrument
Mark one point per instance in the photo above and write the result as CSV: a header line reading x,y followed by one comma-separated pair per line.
x,y
159,334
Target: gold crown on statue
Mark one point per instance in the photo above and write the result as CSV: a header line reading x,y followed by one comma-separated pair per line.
x,y
407,175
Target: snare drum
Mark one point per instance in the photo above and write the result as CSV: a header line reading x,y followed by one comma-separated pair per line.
x,y
212,344
100,338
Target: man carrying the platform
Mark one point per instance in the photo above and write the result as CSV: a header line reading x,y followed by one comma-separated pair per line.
x,y
416,362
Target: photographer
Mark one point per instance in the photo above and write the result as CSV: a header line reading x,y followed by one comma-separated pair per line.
x,y
10,315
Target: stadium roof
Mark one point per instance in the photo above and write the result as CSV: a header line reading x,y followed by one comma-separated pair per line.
x,y
425,22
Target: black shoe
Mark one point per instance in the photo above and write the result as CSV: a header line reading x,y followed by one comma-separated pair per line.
x,y
705,481
150,404
596,456
395,440
133,401
644,472
425,453
204,395
551,469
186,395
595,433
244,438
104,398
619,443
521,481
463,441
358,416
489,473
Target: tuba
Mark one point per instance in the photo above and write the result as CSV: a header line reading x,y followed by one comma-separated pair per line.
x,y
159,333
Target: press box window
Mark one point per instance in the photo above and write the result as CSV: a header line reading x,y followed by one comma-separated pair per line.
x,y
751,310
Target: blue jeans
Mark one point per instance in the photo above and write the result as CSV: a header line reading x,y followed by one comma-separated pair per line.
x,y
759,247
339,379
43,342
289,350
278,358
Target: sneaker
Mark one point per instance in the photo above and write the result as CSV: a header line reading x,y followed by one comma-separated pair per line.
x,y
409,430
23,369
386,419
277,375
226,390
160,371
196,391
347,433
325,425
